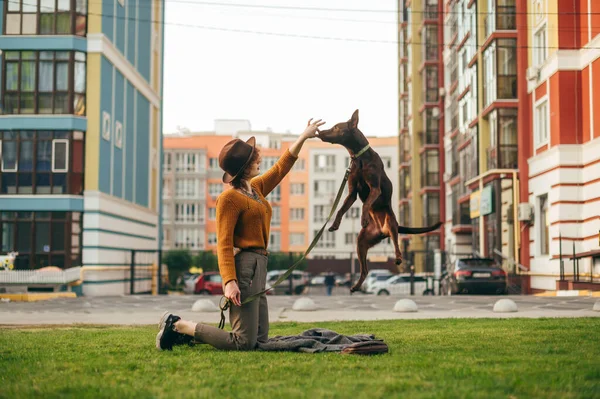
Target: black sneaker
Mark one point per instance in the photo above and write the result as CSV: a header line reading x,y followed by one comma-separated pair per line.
x,y
167,337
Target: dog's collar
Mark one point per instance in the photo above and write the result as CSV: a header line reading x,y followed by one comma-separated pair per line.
x,y
364,149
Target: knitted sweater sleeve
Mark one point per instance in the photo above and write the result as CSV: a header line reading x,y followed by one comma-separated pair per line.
x,y
271,178
227,217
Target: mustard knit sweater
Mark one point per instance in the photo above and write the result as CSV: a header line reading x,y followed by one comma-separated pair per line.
x,y
243,222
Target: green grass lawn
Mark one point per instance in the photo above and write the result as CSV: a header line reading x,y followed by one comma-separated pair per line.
x,y
459,358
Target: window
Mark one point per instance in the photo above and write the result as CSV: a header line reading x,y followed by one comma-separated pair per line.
x,y
276,216
296,214
167,162
430,38
298,165
41,162
541,123
189,213
166,212
430,84
118,135
297,239
275,195
431,206
267,163
324,188
275,143
297,188
350,238
212,213
325,163
188,188
321,213
213,163
214,189
327,239
544,228
189,238
42,238
46,17
212,238
430,169
353,213
500,71
44,82
540,51
275,241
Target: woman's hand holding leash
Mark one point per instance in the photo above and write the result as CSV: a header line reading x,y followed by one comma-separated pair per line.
x,y
232,292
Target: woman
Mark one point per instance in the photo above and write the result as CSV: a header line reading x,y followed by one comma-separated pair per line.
x,y
243,222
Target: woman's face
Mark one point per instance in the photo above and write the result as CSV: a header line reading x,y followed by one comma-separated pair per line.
x,y
253,169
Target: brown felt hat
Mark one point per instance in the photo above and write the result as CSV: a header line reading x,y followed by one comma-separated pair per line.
x,y
234,157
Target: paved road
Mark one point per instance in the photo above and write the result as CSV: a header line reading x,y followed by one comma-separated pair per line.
x,y
128,310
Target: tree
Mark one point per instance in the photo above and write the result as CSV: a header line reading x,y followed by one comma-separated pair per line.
x,y
178,262
206,260
284,260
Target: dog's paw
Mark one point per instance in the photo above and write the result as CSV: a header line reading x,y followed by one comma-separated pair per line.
x,y
334,227
399,261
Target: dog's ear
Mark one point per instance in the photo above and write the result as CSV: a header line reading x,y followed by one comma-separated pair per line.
x,y
354,120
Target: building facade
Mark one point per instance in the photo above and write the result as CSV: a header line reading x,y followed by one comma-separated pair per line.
x,y
421,127
301,203
520,135
81,99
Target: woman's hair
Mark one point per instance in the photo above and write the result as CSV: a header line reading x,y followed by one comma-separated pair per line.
x,y
237,182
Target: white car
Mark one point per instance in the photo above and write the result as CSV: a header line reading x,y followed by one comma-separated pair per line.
x,y
299,281
375,275
398,285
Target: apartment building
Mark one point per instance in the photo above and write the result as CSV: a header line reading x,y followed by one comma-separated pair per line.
x,y
80,137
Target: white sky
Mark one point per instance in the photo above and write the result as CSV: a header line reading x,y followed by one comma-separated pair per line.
x,y
280,82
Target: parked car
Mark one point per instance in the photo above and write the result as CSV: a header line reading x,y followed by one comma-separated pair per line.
x,y
189,282
399,285
209,283
300,280
375,275
474,275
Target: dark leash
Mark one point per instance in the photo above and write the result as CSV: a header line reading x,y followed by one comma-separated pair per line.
x,y
225,303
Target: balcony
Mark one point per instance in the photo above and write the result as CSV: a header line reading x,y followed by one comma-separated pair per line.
x,y
430,137
507,86
504,18
505,156
461,215
431,12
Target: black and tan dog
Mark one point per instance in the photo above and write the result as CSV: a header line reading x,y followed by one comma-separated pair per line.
x,y
368,181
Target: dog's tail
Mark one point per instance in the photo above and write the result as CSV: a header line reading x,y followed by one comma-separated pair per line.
x,y
418,230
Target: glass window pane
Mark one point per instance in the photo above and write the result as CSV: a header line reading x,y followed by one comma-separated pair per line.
x,y
28,55
60,156
61,104
79,56
8,237
47,6
64,5
79,104
12,76
63,23
81,6
11,55
24,237
46,76
80,25
79,77
27,103
46,24
30,5
14,5
57,260
58,236
29,24
62,55
42,237
45,103
28,76
62,76
9,183
46,55
44,156
26,156
25,183
9,155
59,183
13,24
42,183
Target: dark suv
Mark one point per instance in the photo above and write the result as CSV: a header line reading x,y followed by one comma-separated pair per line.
x,y
474,276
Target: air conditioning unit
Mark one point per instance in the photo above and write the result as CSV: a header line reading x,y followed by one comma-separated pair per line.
x,y
435,112
442,92
525,212
533,74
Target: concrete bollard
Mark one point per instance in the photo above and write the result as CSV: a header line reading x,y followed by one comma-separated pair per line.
x,y
505,306
204,305
304,305
405,305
